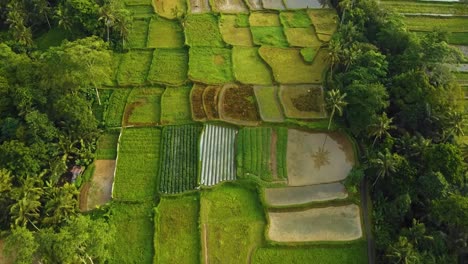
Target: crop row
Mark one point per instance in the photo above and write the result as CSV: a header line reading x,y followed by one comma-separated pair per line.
x,y
253,152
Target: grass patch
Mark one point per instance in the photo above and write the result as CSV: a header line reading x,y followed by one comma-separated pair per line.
x,y
196,102
112,80
141,11
302,37
355,252
232,33
290,68
170,67
99,110
114,112
325,21
170,8
268,103
137,2
107,145
138,34
202,31
143,107
52,38
262,19
233,220
253,155
210,65
302,101
458,38
165,33
137,165
134,67
425,7
308,54
210,102
281,151
242,20
179,159
134,233
238,105
295,19
269,36
425,23
175,105
177,238
249,68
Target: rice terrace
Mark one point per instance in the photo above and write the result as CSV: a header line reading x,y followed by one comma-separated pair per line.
x,y
221,148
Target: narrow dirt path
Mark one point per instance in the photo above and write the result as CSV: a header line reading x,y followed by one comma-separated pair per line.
x,y
249,257
273,160
365,216
205,243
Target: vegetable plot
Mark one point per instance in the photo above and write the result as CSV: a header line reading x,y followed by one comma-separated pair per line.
x,y
253,152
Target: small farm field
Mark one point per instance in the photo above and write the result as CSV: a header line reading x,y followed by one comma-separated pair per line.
x,y
302,37
302,4
107,145
426,23
137,2
210,101
170,8
254,152
143,11
100,189
288,196
249,68
137,164
353,252
269,36
315,158
238,106
210,65
254,4
196,102
138,34
228,6
302,101
199,6
217,155
325,21
143,107
232,33
179,159
175,106
169,67
263,19
273,4
280,139
202,31
114,112
421,7
165,33
295,19
268,103
134,67
177,238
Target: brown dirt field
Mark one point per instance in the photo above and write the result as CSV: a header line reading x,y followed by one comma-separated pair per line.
x,y
341,223
205,243
100,190
314,158
210,102
199,6
196,102
3,258
237,105
302,101
305,194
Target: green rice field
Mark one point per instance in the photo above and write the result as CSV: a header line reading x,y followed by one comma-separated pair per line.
x,y
175,105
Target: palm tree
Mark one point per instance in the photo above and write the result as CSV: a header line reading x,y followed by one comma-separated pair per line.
x,y
61,203
64,20
27,206
335,102
20,32
456,124
403,252
106,13
381,127
42,7
345,5
334,54
384,163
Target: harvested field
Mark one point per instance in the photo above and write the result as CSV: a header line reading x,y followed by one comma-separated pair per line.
x,y
301,4
114,112
217,146
315,158
325,21
107,145
253,153
202,31
237,105
254,4
341,223
295,19
269,36
196,102
290,68
268,103
138,34
302,101
210,65
100,190
249,67
143,107
141,11
210,102
302,37
229,6
288,196
170,8
273,4
262,19
233,34
134,67
165,33
175,106
176,238
179,159
169,67
199,6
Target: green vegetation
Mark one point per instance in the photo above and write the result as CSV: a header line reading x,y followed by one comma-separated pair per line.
x,y
107,145
261,19
165,33
141,11
134,67
137,2
295,19
177,237
308,54
143,106
270,36
53,37
325,21
169,67
232,33
425,23
302,37
327,254
170,8
138,34
281,150
202,30
249,68
458,38
138,164
210,65
175,106
179,159
114,112
254,152
425,7
242,20
268,103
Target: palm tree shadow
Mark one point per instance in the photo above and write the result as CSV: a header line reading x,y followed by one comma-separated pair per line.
x,y
321,157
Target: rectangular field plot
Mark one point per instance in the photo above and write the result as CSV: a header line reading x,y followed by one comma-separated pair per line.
x,y
177,239
115,110
228,6
269,36
106,148
232,224
254,4
425,23
202,31
280,134
179,159
325,21
263,19
210,101
301,4
249,67
164,33
170,8
137,164
295,19
420,7
210,65
196,102
141,11
143,107
138,34
269,104
254,152
355,252
237,105
169,67
342,223
302,37
234,34
273,4
134,67
137,2
175,106
199,6
302,101
217,155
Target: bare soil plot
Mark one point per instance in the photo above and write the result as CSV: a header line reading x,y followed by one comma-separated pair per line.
x,y
269,104
210,101
170,8
302,37
301,4
229,6
273,4
302,101
237,105
164,33
232,33
196,102
305,194
341,223
314,158
199,6
100,190
262,19
249,67
254,4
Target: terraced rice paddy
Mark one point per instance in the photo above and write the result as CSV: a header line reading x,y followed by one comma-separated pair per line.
x,y
269,104
210,99
138,34
100,189
232,33
237,105
170,8
288,196
175,105
302,101
249,68
228,6
169,67
210,65
217,155
134,67
165,33
143,107
254,152
115,110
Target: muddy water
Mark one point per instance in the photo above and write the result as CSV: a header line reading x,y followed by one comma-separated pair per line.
x,y
300,4
199,6
305,194
100,191
273,4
